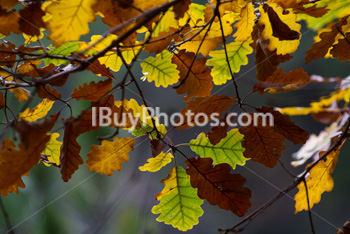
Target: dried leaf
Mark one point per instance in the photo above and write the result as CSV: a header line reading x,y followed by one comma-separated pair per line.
x,y
31,19
92,91
341,50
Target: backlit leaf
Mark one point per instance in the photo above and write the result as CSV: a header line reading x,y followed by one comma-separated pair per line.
x,y
93,91
237,56
218,186
179,203
245,25
63,50
53,149
109,156
69,20
229,150
37,112
155,164
160,69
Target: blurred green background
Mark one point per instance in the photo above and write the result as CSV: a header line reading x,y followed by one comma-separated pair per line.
x,y
92,203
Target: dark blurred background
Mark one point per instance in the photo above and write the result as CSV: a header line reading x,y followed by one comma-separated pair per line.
x,y
93,203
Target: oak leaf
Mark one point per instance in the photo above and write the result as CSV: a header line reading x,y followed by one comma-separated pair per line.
x,y
52,150
341,50
179,203
157,163
197,81
218,132
109,156
218,186
245,25
31,19
45,91
37,112
9,22
93,91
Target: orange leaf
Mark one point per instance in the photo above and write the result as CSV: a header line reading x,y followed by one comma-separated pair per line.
x,y
207,106
9,22
262,144
109,156
70,149
47,92
320,49
199,81
218,186
7,4
283,82
31,19
286,127
93,91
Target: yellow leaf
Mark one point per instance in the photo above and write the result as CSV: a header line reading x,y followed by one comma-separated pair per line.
x,y
155,164
53,149
109,156
166,22
283,46
237,56
29,38
318,182
37,112
69,20
245,25
21,94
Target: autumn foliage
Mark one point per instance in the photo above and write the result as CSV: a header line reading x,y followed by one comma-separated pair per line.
x,y
187,48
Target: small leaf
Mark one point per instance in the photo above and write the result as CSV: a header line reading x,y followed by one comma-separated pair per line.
x,y
155,164
160,69
237,56
341,50
92,91
53,149
63,50
109,156
229,150
37,112
179,204
218,186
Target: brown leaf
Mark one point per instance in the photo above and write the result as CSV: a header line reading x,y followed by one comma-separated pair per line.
x,y
199,81
9,22
93,91
31,19
206,106
4,58
341,50
286,127
267,61
320,49
47,92
99,69
280,29
2,101
327,116
262,143
161,42
180,8
313,11
157,146
345,229
290,3
218,186
218,132
70,150
280,82
7,4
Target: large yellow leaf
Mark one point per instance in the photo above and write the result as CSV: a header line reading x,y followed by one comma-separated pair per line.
x,y
53,149
282,25
109,156
156,163
318,182
237,56
245,25
160,69
69,19
37,112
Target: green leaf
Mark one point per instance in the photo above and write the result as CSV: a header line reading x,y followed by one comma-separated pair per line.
x,y
63,50
179,204
160,69
229,150
237,56
155,164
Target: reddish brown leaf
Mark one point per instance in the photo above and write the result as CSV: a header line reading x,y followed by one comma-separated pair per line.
x,y
218,186
327,116
286,127
161,42
341,50
206,106
279,28
262,144
92,91
320,49
283,82
199,81
4,58
218,132
70,150
313,11
99,69
47,92
180,8
2,101
31,19
157,146
267,61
